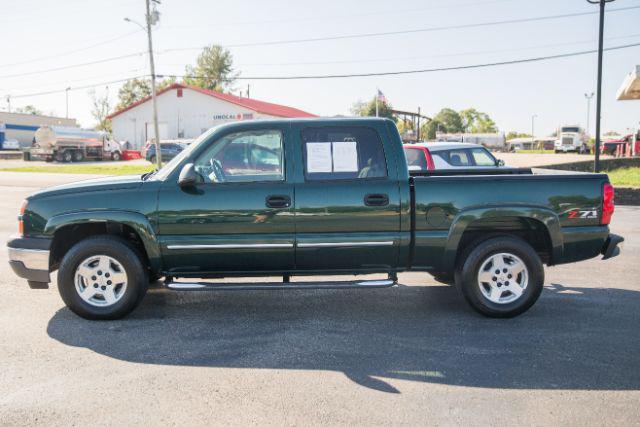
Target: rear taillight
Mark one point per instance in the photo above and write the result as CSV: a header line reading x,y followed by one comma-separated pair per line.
x,y
21,218
607,203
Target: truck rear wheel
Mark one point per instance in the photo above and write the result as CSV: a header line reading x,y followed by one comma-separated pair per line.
x,y
501,277
102,278
78,156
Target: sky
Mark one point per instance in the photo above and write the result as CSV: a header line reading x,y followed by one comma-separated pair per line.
x,y
45,44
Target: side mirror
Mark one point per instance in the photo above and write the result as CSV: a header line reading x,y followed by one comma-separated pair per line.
x,y
188,176
499,162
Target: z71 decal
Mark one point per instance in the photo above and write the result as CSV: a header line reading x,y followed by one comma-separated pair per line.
x,y
586,214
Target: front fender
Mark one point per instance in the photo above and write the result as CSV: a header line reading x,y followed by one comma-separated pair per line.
x,y
137,221
465,218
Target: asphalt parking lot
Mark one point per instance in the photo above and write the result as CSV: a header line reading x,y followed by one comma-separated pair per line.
x,y
414,354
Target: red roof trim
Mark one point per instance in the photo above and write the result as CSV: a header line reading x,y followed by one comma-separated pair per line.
x,y
250,103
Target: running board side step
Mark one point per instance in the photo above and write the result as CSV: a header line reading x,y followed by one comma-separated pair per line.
x,y
206,286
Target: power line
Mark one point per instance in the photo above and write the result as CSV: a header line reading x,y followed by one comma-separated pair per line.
x,y
426,70
413,31
354,15
443,55
333,76
29,95
69,52
66,67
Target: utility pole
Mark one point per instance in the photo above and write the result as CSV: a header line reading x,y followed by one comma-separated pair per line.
x,y
533,133
588,96
602,3
66,93
418,129
9,103
151,18
248,88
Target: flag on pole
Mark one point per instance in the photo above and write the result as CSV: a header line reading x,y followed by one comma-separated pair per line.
x,y
381,97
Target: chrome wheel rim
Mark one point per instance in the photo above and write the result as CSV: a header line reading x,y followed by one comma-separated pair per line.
x,y
100,280
502,278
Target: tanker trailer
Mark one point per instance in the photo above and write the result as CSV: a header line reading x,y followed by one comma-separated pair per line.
x,y
69,144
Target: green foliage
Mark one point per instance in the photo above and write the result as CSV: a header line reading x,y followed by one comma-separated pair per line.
x,y
213,70
29,109
368,109
106,169
136,89
514,134
474,121
100,107
450,121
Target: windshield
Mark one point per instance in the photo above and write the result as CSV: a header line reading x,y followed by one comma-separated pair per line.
x,y
570,129
166,170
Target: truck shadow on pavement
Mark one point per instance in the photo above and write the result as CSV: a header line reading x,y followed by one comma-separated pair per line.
x,y
574,338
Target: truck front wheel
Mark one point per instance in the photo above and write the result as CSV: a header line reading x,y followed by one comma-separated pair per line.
x,y
102,278
501,277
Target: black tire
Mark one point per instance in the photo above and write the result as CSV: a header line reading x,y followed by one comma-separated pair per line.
x,y
126,255
78,156
67,156
152,159
116,156
470,264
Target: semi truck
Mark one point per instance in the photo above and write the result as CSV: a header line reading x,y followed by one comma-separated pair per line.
x,y
309,197
69,144
571,138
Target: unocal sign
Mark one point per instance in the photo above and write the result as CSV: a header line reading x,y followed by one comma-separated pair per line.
x,y
238,116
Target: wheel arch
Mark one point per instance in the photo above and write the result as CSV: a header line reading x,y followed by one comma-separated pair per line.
x,y
539,226
68,229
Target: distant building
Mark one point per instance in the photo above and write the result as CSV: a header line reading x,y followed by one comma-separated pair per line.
x,y
187,111
23,126
489,140
528,143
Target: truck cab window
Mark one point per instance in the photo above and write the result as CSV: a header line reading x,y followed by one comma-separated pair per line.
x,y
243,157
343,153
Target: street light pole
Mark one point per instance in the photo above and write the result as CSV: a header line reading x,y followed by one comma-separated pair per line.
x,y
151,17
588,96
66,92
533,134
602,3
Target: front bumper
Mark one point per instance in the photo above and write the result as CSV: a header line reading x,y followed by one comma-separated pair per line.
x,y
29,259
612,246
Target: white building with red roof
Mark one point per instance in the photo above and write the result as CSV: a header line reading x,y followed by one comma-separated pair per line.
x,y
187,111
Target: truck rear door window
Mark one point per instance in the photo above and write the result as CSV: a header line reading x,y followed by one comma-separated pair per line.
x,y
337,152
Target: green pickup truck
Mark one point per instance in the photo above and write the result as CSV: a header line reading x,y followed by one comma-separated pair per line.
x,y
309,197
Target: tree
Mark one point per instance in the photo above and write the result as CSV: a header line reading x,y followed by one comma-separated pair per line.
x,y
29,109
136,89
213,70
474,121
449,120
513,134
100,107
368,109
429,129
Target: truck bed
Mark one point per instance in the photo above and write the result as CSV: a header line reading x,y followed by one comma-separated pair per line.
x,y
449,206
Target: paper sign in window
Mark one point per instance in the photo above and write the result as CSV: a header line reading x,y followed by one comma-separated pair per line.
x,y
318,157
345,156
